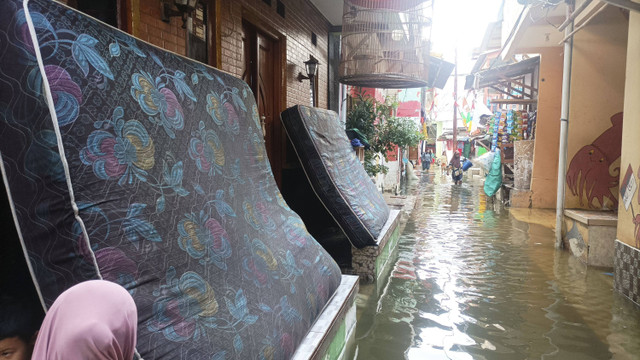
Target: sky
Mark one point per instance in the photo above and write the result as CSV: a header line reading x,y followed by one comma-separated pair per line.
x,y
465,20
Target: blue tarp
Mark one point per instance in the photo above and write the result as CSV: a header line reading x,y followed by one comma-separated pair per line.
x,y
493,180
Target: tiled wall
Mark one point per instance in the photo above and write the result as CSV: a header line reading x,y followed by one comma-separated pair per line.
x,y
627,271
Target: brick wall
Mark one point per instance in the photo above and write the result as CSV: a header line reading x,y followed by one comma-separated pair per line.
x,y
170,36
147,25
301,19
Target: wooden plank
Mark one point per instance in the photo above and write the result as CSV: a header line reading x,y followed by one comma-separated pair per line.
x,y
511,88
520,83
500,90
214,33
514,101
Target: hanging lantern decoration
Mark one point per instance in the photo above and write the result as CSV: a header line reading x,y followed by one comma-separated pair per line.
x,y
385,43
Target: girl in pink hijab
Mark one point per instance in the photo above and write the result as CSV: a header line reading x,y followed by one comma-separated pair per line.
x,y
95,319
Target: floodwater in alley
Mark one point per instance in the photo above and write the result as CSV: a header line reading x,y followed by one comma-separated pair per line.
x,y
472,282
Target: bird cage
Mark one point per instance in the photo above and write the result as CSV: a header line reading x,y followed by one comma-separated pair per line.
x,y
385,43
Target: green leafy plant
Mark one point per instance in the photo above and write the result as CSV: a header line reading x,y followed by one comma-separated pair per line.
x,y
377,121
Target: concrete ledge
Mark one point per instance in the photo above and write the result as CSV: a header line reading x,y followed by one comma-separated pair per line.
x,y
520,198
601,218
387,229
590,236
331,333
370,261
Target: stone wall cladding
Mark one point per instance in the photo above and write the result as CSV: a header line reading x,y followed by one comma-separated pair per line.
x,y
523,162
364,261
627,271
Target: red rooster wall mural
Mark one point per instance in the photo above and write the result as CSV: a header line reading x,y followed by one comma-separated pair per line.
x,y
589,175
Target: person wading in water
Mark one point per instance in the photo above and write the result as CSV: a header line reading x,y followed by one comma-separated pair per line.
x,y
456,168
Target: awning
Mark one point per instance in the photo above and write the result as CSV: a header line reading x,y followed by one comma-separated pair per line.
x,y
497,75
439,72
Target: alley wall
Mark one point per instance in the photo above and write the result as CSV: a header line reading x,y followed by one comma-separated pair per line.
x,y
628,231
295,29
597,99
148,26
544,180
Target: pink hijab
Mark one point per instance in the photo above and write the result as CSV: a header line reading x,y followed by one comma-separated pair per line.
x,y
95,319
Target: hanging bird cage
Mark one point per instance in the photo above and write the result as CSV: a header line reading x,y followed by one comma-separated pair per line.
x,y
385,43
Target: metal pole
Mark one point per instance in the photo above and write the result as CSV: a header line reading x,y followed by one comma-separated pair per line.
x,y
422,145
564,125
574,15
455,103
624,4
312,84
585,22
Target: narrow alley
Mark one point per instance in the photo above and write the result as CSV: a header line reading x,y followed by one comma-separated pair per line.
x,y
472,282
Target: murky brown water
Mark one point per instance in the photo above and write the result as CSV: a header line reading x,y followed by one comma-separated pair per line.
x,y
471,282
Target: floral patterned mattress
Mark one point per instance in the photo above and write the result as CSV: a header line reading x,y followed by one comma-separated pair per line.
x,y
126,162
335,173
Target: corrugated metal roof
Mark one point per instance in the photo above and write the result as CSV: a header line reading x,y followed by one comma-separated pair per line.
x,y
497,74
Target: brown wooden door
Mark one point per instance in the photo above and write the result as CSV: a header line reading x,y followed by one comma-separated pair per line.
x,y
413,154
260,69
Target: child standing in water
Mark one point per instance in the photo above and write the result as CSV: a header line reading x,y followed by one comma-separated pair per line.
x,y
443,162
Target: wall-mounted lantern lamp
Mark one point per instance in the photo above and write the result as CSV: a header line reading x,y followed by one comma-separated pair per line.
x,y
311,67
185,7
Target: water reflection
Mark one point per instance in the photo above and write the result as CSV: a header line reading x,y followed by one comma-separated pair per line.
x,y
471,282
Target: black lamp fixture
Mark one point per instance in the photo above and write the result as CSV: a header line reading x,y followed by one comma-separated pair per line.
x,y
185,7
311,67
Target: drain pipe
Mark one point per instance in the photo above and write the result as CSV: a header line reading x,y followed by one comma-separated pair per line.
x,y
564,125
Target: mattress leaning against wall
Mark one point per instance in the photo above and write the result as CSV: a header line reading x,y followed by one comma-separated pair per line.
x,y
335,173
129,163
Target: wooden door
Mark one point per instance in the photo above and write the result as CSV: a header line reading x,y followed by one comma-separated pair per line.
x,y
261,70
413,154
